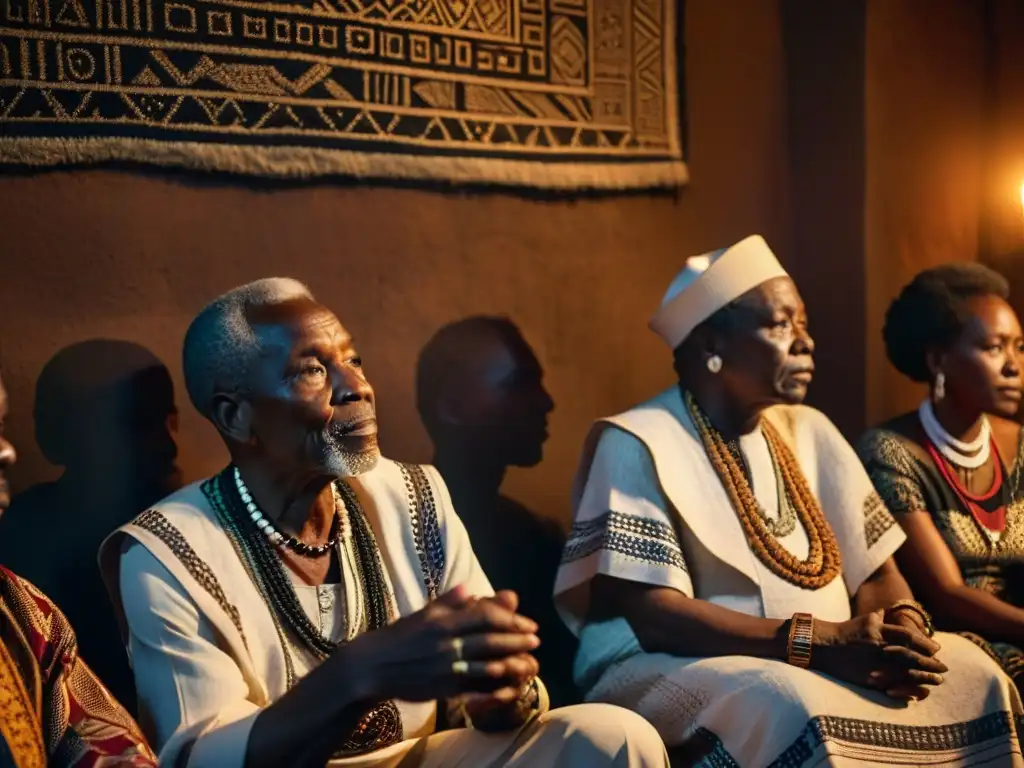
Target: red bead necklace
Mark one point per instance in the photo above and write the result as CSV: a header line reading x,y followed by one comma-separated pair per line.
x,y
991,520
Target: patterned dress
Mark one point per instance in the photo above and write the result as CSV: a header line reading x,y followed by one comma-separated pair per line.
x,y
908,480
53,710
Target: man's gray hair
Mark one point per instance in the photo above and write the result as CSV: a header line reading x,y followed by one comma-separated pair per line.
x,y
220,344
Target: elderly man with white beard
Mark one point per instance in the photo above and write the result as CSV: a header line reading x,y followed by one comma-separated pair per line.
x,y
313,602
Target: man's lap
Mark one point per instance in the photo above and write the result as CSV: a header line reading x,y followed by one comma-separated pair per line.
x,y
584,735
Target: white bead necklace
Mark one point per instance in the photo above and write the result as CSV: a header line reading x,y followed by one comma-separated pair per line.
x,y
966,455
278,539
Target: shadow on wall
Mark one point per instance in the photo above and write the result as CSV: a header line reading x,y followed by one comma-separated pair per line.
x,y
105,412
481,397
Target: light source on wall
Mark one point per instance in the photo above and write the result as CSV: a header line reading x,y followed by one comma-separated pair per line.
x,y
1022,198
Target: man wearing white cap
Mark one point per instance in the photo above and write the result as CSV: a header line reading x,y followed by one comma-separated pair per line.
x,y
730,569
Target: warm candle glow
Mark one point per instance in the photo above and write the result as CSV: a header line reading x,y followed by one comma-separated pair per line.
x,y
1022,197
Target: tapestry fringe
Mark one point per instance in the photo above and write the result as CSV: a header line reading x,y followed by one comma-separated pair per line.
x,y
305,163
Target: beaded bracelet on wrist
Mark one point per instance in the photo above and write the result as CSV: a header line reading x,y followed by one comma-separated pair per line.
x,y
916,608
800,641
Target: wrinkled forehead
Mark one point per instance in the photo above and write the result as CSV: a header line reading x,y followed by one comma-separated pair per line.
x,y
295,327
771,295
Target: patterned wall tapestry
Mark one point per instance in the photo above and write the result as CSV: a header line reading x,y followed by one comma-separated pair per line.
x,y
545,93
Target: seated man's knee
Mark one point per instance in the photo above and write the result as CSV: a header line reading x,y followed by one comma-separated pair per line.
x,y
609,734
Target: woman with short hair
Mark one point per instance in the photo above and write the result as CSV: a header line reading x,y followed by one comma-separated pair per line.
x,y
951,470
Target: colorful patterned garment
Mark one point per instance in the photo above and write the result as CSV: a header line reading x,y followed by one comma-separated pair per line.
x,y
907,479
53,710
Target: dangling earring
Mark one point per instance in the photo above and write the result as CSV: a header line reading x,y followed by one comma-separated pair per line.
x,y
939,390
714,363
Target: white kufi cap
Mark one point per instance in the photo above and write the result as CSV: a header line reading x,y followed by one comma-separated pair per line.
x,y
711,281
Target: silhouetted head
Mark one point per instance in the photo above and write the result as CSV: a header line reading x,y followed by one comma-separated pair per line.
x,y
105,410
7,454
280,378
955,320
479,386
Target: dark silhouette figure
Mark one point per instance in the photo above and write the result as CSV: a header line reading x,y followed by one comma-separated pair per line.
x,y
105,412
480,395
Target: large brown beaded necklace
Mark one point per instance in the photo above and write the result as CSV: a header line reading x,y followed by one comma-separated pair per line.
x,y
381,726
823,561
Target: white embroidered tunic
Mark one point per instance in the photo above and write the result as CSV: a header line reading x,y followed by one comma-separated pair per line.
x,y
203,644
649,507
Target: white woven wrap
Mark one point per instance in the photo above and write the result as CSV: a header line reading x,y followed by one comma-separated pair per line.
x,y
711,281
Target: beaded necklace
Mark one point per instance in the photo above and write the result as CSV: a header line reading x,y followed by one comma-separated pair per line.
x,y
381,726
271,577
786,523
823,561
281,539
988,509
966,455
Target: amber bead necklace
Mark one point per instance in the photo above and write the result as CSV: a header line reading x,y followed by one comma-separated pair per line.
x,y
823,561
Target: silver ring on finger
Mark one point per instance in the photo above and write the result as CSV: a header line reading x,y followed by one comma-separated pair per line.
x,y
457,644
460,666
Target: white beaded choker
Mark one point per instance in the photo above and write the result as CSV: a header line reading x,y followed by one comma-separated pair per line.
x,y
966,455
339,528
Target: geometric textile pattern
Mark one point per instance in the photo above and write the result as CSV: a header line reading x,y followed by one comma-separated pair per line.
x,y
564,94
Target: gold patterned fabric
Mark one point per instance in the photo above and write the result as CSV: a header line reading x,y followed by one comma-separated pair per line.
x,y
907,480
53,710
564,94
877,519
20,700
